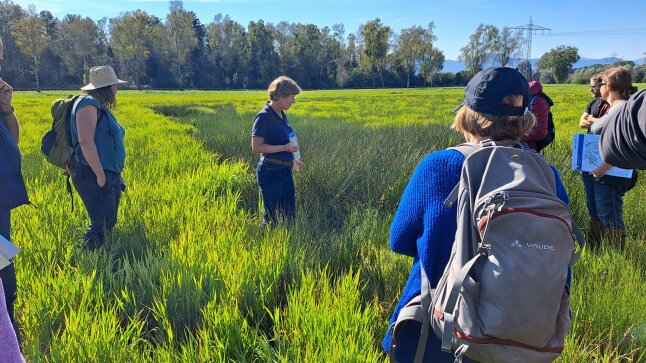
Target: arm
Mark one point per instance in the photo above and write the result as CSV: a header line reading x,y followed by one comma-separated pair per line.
x,y
623,142
601,170
421,209
561,193
540,111
6,93
86,120
258,146
587,120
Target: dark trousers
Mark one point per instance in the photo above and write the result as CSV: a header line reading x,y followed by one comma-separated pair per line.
x,y
605,199
278,193
8,274
101,203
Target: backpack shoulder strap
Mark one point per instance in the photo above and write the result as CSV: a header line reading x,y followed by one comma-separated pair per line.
x,y
465,149
547,99
100,110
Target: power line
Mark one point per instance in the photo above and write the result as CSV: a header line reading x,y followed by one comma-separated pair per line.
x,y
601,32
531,28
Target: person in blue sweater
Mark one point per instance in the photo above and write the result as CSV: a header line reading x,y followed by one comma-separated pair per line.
x,y
423,228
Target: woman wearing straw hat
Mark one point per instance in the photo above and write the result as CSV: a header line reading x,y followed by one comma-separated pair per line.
x,y
99,154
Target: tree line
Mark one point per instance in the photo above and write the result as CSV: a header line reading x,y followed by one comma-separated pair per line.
x,y
178,52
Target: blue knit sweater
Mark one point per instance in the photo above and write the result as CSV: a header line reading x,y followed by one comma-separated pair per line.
x,y
424,228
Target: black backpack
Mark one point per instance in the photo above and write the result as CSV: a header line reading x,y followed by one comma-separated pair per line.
x,y
551,131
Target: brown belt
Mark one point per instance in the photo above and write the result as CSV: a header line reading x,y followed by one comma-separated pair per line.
x,y
277,162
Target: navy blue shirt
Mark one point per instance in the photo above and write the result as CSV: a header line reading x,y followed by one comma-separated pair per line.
x,y
274,130
12,186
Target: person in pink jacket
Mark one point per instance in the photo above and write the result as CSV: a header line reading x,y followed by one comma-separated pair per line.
x,y
540,109
9,349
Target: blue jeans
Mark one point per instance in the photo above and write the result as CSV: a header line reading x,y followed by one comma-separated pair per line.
x,y
278,193
8,274
101,203
605,201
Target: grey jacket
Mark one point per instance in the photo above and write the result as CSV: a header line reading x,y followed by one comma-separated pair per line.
x,y
623,140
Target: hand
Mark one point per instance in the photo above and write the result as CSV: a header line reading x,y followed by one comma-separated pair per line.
x,y
6,92
297,165
100,179
291,148
585,124
598,172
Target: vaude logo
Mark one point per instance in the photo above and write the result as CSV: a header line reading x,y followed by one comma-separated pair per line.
x,y
538,246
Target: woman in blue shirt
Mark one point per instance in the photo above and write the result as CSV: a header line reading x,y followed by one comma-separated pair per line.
x,y
12,186
270,138
99,153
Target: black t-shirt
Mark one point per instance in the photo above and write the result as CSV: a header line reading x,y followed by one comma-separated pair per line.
x,y
274,130
594,107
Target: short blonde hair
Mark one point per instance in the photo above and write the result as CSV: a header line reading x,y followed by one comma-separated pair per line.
x,y
282,87
495,127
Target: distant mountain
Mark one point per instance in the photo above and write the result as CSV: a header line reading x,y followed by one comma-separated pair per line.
x,y
456,66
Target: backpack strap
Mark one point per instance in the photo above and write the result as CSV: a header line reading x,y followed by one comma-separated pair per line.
x,y
426,302
465,149
578,235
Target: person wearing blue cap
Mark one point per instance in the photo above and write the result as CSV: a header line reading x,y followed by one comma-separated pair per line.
x,y
494,107
270,137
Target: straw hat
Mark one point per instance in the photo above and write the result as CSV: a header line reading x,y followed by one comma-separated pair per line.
x,y
102,76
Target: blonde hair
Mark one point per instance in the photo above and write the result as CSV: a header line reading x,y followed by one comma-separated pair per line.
x,y
492,126
282,87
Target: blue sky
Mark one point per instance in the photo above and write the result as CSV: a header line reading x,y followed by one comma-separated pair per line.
x,y
596,27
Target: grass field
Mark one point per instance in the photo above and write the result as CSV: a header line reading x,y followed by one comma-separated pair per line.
x,y
189,275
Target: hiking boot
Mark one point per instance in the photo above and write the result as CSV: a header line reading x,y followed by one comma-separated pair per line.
x,y
616,238
595,233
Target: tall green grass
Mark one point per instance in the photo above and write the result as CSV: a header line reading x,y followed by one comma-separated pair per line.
x,y
189,275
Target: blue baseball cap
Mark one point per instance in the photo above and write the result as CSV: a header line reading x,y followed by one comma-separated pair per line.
x,y
486,90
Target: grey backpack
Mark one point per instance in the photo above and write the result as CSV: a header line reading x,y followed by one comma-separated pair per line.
x,y
503,294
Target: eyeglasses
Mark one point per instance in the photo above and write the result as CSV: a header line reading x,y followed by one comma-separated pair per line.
x,y
602,84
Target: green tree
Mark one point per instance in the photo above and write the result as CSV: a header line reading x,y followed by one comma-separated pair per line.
x,y
130,39
432,57
13,62
228,43
509,45
481,49
262,57
375,37
558,62
181,38
80,45
409,49
32,40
